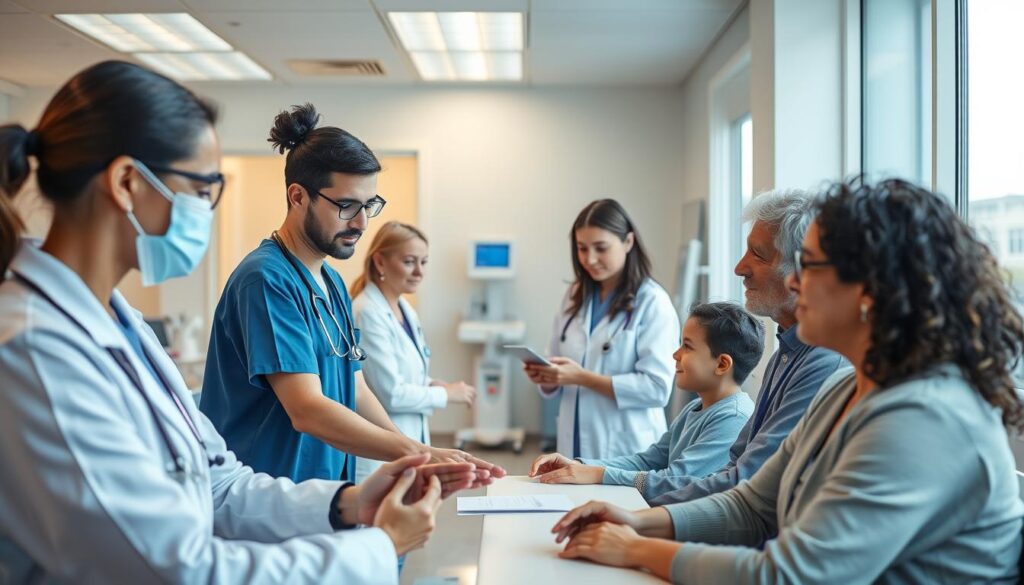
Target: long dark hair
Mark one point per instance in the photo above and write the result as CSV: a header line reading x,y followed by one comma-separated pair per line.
x,y
609,215
314,153
937,289
108,110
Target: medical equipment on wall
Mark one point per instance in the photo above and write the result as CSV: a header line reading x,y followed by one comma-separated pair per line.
x,y
492,263
347,334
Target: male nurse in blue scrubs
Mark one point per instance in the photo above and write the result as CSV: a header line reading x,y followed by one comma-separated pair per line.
x,y
283,383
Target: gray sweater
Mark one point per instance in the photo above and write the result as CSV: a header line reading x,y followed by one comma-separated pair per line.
x,y
916,485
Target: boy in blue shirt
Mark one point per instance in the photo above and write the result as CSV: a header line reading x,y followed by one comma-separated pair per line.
x,y
722,343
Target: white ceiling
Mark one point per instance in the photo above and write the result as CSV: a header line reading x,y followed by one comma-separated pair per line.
x,y
569,42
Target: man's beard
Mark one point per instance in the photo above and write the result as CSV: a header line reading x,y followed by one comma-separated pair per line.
x,y
773,305
329,244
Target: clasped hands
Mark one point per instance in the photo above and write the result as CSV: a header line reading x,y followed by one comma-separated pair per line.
x,y
402,497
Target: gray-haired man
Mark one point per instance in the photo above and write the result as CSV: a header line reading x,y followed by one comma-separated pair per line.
x,y
796,371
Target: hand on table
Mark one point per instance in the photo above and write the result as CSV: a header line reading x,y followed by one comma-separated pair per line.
x,y
577,474
605,543
550,462
593,512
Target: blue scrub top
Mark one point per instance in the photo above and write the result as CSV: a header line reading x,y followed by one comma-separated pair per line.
x,y
265,324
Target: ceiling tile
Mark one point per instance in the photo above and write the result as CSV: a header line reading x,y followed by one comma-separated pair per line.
x,y
631,5
620,48
53,54
276,5
570,42
451,5
9,7
102,6
272,38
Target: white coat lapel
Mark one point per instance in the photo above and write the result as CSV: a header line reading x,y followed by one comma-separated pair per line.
x,y
400,339
168,372
417,330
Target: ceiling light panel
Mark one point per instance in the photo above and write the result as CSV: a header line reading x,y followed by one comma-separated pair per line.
x,y
134,33
233,66
418,31
463,46
459,31
434,65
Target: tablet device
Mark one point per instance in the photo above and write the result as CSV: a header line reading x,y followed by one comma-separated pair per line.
x,y
527,355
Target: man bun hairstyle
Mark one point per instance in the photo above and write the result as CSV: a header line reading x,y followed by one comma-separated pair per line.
x,y
313,153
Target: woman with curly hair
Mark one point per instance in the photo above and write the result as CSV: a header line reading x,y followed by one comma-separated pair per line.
x,y
900,471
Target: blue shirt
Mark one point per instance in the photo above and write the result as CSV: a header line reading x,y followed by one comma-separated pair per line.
x,y
265,324
124,324
795,374
598,308
407,326
695,445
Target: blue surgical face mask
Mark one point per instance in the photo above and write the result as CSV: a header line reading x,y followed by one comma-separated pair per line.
x,y
177,252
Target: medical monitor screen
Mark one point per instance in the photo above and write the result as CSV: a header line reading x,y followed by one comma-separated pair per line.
x,y
492,256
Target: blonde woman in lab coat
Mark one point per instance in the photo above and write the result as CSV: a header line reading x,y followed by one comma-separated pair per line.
x,y
612,343
398,357
110,472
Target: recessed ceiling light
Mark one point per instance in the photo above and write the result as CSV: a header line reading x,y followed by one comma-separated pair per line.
x,y
233,66
462,46
133,33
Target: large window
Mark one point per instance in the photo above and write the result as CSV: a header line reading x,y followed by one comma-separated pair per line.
x,y
995,128
743,159
896,61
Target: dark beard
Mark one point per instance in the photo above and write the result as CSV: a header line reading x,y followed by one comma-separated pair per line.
x,y
329,244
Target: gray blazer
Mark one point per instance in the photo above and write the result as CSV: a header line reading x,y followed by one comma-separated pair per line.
x,y
916,485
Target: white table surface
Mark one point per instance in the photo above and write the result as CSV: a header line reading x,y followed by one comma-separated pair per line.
x,y
518,549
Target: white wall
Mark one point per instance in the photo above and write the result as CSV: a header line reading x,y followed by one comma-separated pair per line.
x,y
515,162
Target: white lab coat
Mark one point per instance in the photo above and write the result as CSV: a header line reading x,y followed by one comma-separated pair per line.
x,y
86,495
639,363
396,369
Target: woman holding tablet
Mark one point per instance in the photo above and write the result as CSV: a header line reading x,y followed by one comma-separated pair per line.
x,y
397,356
612,342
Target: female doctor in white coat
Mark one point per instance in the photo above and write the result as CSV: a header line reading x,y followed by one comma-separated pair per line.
x,y
613,341
110,473
398,359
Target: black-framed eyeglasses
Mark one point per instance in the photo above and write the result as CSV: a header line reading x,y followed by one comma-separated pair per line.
x,y
800,264
214,181
349,208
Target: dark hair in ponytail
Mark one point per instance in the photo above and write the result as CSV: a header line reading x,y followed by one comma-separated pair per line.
x,y
314,153
108,110
609,215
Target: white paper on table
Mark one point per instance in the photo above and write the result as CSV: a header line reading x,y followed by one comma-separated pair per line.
x,y
513,504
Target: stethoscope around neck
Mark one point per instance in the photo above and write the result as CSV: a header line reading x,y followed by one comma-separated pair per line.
x,y
607,346
348,334
177,465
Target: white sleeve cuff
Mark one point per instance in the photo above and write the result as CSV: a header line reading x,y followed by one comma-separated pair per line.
x,y
439,396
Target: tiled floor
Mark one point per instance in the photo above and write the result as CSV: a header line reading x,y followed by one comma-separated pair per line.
x,y
452,550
